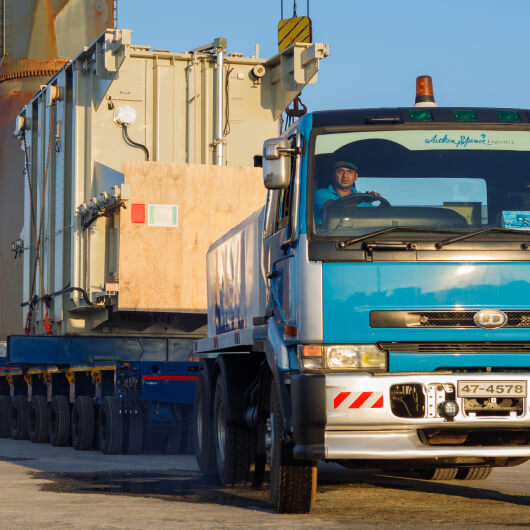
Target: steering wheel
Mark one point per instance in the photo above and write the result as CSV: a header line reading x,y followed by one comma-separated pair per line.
x,y
353,200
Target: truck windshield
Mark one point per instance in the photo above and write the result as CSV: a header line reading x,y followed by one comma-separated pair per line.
x,y
454,180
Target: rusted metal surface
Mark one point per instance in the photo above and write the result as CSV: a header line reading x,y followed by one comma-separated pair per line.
x,y
40,36
30,68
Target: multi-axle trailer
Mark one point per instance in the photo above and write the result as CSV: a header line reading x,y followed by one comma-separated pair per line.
x,y
115,394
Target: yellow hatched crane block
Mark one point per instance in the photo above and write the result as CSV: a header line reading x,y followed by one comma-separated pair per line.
x,y
296,29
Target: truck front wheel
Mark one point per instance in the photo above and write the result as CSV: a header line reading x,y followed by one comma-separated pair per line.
x,y
233,443
293,483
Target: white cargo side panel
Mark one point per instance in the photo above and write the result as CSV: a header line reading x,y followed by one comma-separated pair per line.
x,y
236,287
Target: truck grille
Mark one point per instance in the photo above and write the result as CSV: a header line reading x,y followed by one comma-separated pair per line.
x,y
456,347
440,319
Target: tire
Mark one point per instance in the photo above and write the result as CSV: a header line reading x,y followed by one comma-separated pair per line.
x,y
202,428
38,419
82,423
439,473
474,473
233,443
4,416
18,418
293,482
110,426
59,424
186,439
174,436
133,427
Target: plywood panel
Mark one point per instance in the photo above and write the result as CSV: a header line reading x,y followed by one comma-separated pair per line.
x,y
164,268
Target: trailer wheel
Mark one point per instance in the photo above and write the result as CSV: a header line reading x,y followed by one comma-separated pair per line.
x,y
186,441
82,423
4,416
439,473
59,425
110,426
174,436
18,418
133,427
233,443
38,419
293,483
202,428
474,473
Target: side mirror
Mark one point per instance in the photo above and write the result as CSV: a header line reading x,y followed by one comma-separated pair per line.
x,y
276,163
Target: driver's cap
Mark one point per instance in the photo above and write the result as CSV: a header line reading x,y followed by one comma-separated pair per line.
x,y
344,163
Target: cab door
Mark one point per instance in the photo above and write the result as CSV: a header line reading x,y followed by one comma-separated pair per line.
x,y
279,245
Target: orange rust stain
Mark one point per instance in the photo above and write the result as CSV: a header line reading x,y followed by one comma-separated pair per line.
x,y
30,68
10,106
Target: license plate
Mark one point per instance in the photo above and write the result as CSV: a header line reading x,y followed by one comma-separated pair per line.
x,y
488,389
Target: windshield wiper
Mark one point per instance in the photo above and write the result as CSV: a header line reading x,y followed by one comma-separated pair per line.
x,y
441,244
348,242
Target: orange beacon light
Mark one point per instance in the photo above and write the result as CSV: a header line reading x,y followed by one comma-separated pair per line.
x,y
424,92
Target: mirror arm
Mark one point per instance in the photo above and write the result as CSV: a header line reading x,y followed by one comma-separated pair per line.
x,y
295,193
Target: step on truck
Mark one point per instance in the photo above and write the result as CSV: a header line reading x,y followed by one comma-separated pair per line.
x,y
375,311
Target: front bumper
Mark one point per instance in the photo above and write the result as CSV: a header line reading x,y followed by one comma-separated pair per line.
x,y
349,416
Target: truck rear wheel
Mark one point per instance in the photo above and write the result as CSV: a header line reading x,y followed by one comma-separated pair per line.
x,y
439,473
38,419
133,427
83,423
59,425
293,483
233,443
202,428
110,426
18,418
474,473
4,416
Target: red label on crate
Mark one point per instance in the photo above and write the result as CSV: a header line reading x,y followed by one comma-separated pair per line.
x,y
138,213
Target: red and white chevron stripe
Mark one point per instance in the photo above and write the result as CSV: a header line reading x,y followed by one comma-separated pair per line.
x,y
358,400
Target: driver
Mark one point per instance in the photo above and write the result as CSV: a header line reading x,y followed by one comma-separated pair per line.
x,y
345,176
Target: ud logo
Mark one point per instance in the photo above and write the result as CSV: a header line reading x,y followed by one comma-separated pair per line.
x,y
490,319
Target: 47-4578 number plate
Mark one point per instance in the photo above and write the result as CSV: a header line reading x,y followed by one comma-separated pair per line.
x,y
488,389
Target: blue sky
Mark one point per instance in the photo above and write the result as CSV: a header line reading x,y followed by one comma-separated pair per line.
x,y
477,51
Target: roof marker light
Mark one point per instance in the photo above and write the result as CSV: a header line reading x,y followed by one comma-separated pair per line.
x,y
424,92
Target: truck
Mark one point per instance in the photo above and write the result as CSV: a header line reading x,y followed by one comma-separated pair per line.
x,y
132,158
374,312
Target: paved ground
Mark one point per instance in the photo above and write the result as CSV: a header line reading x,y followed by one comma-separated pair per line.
x,y
46,487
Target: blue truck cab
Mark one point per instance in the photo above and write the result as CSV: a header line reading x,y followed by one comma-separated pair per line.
x,y
376,311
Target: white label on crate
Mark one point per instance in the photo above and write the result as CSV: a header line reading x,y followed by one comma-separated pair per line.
x,y
162,215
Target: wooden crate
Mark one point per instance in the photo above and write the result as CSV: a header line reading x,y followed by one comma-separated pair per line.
x,y
163,268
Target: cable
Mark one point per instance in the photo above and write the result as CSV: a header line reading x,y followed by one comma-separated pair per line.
x,y
226,130
65,290
135,144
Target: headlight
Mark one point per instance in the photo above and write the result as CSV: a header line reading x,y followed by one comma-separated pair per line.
x,y
343,357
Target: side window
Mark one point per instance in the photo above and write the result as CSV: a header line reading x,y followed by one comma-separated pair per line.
x,y
284,197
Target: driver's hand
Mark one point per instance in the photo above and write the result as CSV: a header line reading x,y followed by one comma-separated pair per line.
x,y
374,193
